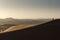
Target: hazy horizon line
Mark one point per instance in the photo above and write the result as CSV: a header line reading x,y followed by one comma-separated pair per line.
x,y
28,18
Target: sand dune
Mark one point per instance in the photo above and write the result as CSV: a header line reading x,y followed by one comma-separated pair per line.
x,y
46,31
19,27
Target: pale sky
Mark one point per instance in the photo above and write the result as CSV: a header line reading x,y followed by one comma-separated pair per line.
x,y
30,9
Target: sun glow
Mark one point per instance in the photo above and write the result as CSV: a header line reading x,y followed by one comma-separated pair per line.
x,y
23,10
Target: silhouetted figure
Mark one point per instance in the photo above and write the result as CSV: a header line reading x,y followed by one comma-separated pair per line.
x,y
53,19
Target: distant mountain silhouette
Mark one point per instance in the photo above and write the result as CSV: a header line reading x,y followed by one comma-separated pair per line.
x,y
46,31
21,21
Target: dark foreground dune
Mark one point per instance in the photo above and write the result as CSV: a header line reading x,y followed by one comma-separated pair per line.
x,y
47,31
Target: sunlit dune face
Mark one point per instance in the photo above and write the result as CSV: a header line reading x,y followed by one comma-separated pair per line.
x,y
19,27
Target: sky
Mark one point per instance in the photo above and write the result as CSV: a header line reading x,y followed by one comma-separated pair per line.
x,y
30,9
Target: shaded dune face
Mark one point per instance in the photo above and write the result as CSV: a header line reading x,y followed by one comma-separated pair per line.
x,y
46,31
